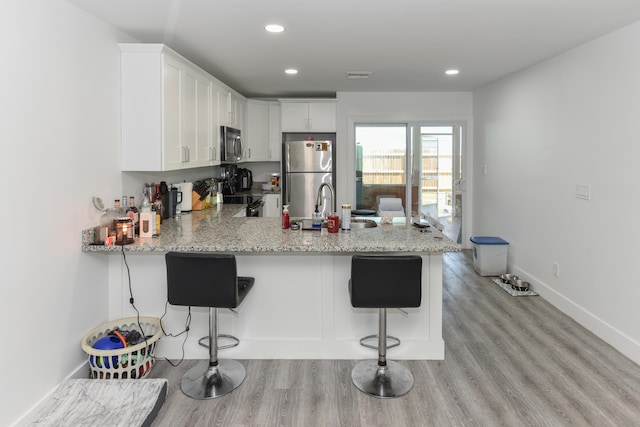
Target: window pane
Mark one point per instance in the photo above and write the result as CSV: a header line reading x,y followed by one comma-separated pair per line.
x,y
380,164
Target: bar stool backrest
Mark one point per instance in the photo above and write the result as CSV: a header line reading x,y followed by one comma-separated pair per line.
x,y
202,279
386,281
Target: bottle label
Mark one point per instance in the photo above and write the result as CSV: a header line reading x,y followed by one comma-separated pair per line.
x,y
346,217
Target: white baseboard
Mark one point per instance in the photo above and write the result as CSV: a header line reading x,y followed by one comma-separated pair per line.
x,y
608,333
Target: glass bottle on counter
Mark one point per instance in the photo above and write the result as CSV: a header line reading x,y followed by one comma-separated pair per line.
x,y
134,214
147,217
158,208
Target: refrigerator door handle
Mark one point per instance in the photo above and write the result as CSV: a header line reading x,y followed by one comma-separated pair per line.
x,y
287,185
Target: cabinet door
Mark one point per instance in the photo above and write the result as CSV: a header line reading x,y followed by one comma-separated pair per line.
x,y
214,148
204,136
223,107
171,145
271,206
295,116
256,139
189,119
240,107
195,122
322,117
275,135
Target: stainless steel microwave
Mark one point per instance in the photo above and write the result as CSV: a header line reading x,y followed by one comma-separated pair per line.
x,y
230,144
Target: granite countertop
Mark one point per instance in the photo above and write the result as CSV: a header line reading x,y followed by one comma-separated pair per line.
x,y
214,231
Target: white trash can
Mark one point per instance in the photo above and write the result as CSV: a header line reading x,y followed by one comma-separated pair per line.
x,y
489,255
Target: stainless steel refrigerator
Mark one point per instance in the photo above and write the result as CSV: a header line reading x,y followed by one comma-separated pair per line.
x,y
308,161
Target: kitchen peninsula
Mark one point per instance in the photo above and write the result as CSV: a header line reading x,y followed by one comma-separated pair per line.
x,y
299,307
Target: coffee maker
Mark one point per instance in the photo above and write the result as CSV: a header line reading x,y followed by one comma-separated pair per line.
x,y
228,176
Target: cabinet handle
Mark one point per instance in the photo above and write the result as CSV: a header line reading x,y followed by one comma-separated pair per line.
x,y
309,124
249,150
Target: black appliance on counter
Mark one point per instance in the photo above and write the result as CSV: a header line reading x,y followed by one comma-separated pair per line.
x,y
228,179
244,179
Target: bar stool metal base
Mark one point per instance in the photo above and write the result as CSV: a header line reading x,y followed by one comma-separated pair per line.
x,y
208,382
392,380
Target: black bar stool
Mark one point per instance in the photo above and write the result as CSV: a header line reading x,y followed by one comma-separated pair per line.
x,y
208,280
384,281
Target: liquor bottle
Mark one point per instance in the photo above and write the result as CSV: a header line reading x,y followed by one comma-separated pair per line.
x,y
147,217
134,215
157,207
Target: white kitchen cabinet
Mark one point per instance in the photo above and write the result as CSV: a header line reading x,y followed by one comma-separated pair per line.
x,y
169,119
231,109
262,138
197,120
316,116
275,132
272,208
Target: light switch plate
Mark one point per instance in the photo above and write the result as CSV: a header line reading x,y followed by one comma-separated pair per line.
x,y
583,191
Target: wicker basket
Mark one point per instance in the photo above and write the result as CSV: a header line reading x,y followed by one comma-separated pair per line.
x,y
130,362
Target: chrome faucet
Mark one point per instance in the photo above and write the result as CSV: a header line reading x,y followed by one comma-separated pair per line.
x,y
320,201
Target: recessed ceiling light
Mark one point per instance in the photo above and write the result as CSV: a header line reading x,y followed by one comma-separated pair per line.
x,y
291,71
274,28
452,72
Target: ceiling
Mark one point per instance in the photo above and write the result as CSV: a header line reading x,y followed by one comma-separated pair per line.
x,y
406,44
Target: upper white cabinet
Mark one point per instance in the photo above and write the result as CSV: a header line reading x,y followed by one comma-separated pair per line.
x,y
262,138
197,120
312,116
169,111
231,109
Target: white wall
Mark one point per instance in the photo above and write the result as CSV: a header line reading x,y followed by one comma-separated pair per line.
x,y
59,127
398,107
571,120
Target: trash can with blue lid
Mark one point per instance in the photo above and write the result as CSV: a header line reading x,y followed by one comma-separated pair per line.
x,y
489,255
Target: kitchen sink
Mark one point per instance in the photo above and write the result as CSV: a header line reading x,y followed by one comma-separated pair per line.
x,y
357,223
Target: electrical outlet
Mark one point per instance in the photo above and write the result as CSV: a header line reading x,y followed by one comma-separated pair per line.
x,y
555,268
583,191
484,169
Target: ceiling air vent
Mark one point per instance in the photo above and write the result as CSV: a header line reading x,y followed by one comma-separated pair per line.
x,y
359,74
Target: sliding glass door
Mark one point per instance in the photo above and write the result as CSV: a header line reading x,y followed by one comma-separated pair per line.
x,y
419,164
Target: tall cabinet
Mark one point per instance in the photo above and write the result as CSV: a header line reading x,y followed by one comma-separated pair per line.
x,y
171,110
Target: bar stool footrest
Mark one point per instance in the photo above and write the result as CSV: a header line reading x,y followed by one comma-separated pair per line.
x,y
375,347
204,341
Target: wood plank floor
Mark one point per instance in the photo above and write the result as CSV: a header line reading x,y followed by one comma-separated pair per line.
x,y
509,362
